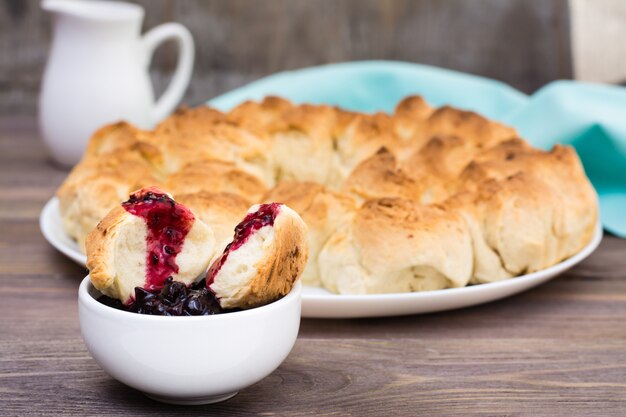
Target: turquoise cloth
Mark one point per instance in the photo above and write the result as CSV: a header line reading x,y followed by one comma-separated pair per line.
x,y
592,118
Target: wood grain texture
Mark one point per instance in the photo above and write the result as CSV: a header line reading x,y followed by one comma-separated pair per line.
x,y
524,43
557,350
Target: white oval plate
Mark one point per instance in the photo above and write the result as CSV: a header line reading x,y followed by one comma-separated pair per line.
x,y
319,303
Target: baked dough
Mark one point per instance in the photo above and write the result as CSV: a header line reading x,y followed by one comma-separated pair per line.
x,y
481,204
223,211
397,245
265,258
215,176
322,209
118,252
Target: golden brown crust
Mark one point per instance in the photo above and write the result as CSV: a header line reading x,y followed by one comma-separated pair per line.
x,y
257,116
110,138
221,141
99,249
190,121
301,147
382,176
129,164
549,187
471,126
279,270
216,177
513,222
396,245
360,138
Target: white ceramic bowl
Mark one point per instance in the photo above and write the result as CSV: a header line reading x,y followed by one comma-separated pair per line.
x,y
189,360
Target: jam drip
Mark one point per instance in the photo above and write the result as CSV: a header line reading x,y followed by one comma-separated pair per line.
x,y
264,216
174,299
168,224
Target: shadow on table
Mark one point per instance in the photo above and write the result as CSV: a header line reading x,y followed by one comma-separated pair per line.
x,y
537,312
271,395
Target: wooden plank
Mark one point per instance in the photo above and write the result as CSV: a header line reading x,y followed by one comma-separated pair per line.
x,y
523,43
348,377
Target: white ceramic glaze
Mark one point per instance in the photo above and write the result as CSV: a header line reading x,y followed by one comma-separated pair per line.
x,y
189,360
97,73
319,303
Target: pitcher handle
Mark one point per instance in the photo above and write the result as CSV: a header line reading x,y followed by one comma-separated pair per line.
x,y
180,80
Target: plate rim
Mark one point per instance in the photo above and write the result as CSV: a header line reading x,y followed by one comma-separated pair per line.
x,y
47,217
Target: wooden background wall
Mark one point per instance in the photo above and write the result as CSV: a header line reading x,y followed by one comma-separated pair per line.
x,y
523,42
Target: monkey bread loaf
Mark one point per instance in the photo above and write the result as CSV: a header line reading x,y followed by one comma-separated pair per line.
x,y
421,199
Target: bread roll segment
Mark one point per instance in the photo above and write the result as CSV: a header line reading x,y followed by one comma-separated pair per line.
x,y
123,249
396,245
118,243
267,255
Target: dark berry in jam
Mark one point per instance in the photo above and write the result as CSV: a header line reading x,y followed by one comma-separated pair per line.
x,y
168,224
264,216
174,299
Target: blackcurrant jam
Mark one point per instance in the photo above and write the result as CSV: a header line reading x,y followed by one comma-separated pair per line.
x,y
173,299
168,224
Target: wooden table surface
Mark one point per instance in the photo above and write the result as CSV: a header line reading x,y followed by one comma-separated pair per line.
x,y
559,349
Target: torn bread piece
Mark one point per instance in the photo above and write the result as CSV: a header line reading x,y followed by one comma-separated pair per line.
x,y
145,240
265,258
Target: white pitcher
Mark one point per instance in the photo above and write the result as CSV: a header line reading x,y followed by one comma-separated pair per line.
x,y
97,73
